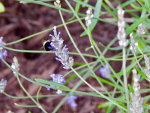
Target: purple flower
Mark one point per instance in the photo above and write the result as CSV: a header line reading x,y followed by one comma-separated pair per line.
x,y
1,42
3,84
59,79
71,101
48,88
61,51
105,71
3,53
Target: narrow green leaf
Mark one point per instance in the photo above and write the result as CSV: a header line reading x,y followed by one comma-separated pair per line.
x,y
85,1
53,85
74,76
143,76
84,4
147,4
110,108
70,78
108,10
130,88
77,8
141,44
78,64
105,104
134,25
106,81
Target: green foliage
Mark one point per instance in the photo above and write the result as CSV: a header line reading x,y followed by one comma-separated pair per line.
x,y
53,85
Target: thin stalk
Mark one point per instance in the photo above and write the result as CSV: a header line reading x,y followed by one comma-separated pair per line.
x,y
125,77
81,53
90,38
38,33
138,62
103,96
37,51
37,104
25,106
94,43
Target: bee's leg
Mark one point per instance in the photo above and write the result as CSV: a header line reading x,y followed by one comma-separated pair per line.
x,y
49,51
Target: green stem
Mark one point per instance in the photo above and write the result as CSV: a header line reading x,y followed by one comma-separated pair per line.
x,y
125,77
37,104
114,58
49,29
81,53
94,44
103,96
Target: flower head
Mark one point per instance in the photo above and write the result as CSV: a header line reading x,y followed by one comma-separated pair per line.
x,y
147,70
1,42
57,3
71,101
134,44
61,51
3,84
3,53
59,79
140,30
89,17
105,71
137,101
15,65
123,42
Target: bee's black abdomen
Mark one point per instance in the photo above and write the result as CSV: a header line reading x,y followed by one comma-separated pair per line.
x,y
48,46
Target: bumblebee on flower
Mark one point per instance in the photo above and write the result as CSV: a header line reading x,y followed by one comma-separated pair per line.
x,y
48,46
60,50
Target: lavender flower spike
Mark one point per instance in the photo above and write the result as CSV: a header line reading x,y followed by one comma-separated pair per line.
x,y
61,51
141,30
15,65
71,101
89,16
133,44
123,42
147,70
3,53
137,101
3,84
59,79
105,71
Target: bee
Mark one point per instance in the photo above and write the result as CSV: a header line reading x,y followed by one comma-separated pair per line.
x,y
48,45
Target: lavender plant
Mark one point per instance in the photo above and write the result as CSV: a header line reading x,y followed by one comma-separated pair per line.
x,y
94,78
